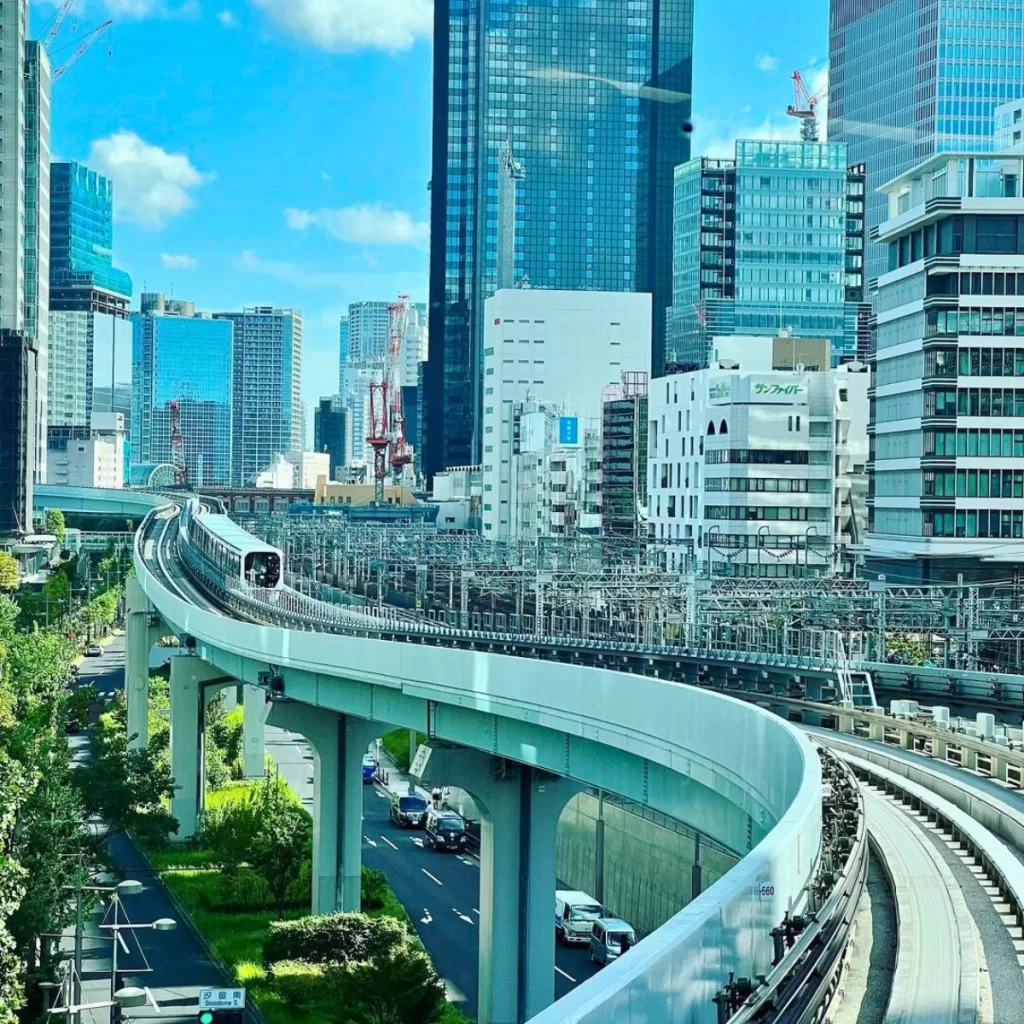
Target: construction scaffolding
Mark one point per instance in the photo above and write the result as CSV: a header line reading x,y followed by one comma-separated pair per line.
x,y
624,457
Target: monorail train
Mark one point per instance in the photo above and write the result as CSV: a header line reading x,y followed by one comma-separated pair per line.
x,y
241,555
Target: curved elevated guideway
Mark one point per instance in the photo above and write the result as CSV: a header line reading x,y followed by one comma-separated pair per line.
x,y
526,740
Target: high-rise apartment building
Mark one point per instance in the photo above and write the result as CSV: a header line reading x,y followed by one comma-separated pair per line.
x,y
947,408
89,296
770,241
267,388
909,78
24,256
343,350
594,102
368,326
188,360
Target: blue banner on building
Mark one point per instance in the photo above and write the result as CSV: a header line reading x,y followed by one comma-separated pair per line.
x,y
568,430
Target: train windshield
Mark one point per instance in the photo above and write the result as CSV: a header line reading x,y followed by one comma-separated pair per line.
x,y
263,568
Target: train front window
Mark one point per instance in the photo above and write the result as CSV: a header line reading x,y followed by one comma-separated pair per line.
x,y
263,569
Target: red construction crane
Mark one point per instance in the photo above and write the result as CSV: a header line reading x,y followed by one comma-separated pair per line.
x,y
387,423
84,45
178,447
804,107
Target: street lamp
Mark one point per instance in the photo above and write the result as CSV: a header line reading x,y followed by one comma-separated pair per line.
x,y
163,924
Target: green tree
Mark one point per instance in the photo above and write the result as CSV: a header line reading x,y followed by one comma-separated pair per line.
x,y
283,841
12,887
56,595
396,987
55,524
126,789
9,572
229,833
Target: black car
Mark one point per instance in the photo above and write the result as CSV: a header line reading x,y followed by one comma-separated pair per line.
x,y
446,831
408,811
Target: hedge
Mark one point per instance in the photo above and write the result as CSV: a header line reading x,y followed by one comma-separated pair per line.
x,y
333,938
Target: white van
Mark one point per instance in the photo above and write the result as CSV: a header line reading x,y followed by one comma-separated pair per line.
x,y
610,938
575,914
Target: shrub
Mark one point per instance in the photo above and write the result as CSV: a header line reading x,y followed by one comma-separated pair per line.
x,y
400,986
299,984
374,889
246,890
333,938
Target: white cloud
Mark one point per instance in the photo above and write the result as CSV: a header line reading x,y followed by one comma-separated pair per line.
x,y
344,25
178,261
150,185
227,19
765,62
348,285
365,224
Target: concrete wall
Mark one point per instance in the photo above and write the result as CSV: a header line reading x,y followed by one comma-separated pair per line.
x,y
648,868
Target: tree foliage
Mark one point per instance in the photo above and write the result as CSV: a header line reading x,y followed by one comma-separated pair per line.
x,y
55,524
9,572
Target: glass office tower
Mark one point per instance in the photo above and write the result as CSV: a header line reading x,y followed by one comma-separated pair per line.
x,y
909,78
769,242
89,297
594,100
184,359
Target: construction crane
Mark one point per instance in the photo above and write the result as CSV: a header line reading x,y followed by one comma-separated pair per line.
x,y
58,20
387,424
84,45
178,446
804,107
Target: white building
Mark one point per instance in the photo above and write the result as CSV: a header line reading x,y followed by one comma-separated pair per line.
x,y
756,470
308,466
278,476
555,474
562,348
97,461
947,412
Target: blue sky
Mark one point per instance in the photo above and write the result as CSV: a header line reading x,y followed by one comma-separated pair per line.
x,y
276,152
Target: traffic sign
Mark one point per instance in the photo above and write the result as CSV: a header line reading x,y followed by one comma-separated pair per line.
x,y
222,999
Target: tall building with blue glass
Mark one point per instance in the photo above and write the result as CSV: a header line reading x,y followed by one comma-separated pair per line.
x,y
89,296
594,101
910,78
188,360
769,242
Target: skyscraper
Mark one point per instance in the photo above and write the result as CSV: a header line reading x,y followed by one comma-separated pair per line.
x,y
330,432
366,330
770,241
594,101
37,229
909,78
266,388
177,357
88,295
24,255
343,348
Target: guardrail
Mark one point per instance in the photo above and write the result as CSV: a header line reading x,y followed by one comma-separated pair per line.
x,y
805,979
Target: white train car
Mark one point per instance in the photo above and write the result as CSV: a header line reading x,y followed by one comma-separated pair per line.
x,y
236,551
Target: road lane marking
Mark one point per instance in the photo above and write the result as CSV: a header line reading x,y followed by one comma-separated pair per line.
x,y
477,912
388,841
433,878
418,842
370,841
568,977
427,917
461,916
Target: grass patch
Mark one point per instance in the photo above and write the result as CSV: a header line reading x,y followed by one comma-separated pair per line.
x,y
396,743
